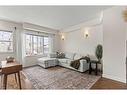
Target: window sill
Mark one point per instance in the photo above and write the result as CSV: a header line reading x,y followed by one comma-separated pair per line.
x,y
37,55
6,52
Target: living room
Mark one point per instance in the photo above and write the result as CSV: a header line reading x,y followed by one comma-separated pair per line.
x,y
33,35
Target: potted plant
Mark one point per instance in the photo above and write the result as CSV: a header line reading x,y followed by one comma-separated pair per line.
x,y
99,52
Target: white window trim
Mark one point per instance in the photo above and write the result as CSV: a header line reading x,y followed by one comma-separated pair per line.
x,y
9,52
37,44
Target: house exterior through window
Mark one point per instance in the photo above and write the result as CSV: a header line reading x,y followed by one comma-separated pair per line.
x,y
36,44
6,41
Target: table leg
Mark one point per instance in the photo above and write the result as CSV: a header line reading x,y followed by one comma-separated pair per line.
x,y
19,80
1,81
96,68
5,81
90,68
15,78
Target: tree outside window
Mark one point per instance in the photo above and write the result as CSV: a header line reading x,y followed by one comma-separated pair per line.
x,y
6,41
36,44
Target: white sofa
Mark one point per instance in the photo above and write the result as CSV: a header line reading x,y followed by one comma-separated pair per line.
x,y
64,62
46,62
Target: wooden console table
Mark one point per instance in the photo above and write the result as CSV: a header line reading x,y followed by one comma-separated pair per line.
x,y
10,68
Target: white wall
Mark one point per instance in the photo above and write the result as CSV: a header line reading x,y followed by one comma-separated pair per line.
x,y
114,38
76,42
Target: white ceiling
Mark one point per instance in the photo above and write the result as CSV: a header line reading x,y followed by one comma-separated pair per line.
x,y
56,17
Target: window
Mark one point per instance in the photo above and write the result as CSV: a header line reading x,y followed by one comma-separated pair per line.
x,y
36,44
6,41
46,45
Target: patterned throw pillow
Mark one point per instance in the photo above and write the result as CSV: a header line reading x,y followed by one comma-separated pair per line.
x,y
60,55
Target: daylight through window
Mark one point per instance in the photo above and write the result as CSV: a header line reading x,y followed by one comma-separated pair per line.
x,y
36,44
6,41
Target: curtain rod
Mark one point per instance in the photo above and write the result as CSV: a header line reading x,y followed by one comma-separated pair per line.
x,y
39,31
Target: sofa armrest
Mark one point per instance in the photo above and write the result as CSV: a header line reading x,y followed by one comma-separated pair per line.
x,y
83,65
82,60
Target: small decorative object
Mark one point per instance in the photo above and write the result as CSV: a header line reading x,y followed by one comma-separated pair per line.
x,y
99,52
10,59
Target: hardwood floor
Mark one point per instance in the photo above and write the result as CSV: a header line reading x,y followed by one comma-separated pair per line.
x,y
12,84
104,83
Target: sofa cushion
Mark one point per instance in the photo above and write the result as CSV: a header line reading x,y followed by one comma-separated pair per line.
x,y
63,60
69,55
77,56
46,59
69,61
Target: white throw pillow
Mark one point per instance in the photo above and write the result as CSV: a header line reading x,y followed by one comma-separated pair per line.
x,y
70,55
77,56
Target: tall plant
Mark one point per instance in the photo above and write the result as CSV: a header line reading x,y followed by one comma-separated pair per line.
x,y
99,52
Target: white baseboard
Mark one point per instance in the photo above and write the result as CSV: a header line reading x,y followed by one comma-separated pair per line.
x,y
29,65
114,78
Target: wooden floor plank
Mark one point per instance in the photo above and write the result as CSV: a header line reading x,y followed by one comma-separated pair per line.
x,y
12,84
104,83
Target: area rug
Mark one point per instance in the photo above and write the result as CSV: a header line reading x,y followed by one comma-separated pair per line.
x,y
59,78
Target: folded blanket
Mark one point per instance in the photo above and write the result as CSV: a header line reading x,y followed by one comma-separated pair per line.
x,y
76,63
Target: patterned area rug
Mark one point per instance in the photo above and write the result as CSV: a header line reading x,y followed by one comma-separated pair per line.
x,y
59,78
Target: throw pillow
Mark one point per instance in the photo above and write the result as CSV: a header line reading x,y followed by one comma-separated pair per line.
x,y
60,55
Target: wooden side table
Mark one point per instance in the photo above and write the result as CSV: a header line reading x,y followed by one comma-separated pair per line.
x,y
90,66
11,68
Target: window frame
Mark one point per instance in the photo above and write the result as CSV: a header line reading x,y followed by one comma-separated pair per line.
x,y
32,41
8,41
44,44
